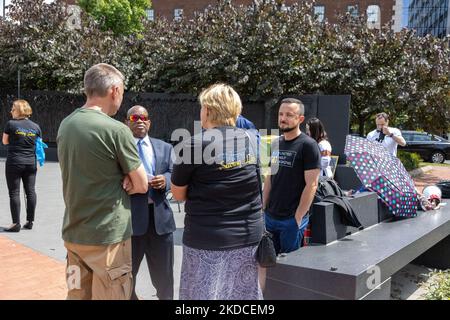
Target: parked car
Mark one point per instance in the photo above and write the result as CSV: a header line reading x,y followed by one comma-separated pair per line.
x,y
430,147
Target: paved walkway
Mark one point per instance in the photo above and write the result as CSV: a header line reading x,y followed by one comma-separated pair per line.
x,y
32,261
28,275
432,177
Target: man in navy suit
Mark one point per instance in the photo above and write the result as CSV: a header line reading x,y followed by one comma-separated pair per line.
x,y
152,218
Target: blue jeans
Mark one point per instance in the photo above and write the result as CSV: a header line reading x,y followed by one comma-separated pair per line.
x,y
287,234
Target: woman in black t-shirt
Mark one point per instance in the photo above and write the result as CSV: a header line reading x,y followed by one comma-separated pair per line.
x,y
216,174
20,136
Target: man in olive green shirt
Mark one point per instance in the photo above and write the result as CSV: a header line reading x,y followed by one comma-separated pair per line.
x,y
100,166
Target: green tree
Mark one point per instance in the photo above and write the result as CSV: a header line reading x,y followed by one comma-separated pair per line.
x,y
426,103
50,55
262,50
119,16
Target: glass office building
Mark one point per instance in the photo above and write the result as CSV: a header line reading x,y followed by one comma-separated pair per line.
x,y
429,17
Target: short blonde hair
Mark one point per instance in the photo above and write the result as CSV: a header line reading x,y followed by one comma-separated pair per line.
x,y
223,103
23,108
100,78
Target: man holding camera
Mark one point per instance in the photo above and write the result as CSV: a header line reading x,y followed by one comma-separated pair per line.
x,y
388,136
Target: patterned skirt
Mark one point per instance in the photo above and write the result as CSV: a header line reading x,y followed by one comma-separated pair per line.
x,y
219,275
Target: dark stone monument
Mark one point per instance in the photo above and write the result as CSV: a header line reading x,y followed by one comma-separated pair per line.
x,y
360,266
332,110
326,223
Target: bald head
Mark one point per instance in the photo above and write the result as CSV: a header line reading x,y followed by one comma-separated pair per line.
x,y
138,121
136,109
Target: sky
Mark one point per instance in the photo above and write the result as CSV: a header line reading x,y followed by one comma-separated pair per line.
x,y
405,13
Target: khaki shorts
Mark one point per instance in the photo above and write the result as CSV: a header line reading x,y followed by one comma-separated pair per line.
x,y
99,272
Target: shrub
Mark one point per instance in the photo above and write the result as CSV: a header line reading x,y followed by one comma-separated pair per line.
x,y
409,160
262,50
439,289
119,16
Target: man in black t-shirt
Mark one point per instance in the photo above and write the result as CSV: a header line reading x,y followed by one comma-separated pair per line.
x,y
289,190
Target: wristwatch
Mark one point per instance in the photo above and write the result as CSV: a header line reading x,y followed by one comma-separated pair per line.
x,y
391,135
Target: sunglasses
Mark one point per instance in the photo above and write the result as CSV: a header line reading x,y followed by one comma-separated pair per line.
x,y
136,117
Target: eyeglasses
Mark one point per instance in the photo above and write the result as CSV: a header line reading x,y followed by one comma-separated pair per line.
x,y
136,117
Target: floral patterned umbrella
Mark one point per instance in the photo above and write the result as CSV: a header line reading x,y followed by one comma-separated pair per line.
x,y
383,173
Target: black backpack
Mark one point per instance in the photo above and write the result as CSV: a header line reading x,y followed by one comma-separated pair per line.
x,y
444,185
329,191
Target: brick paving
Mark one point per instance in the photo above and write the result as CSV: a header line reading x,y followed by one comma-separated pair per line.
x,y
28,275
431,177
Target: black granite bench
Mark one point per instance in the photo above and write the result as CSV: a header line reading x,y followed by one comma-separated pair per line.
x,y
326,223
360,266
347,179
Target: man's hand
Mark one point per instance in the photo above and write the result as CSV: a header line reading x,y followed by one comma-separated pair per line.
x,y
386,130
299,218
158,182
136,181
127,185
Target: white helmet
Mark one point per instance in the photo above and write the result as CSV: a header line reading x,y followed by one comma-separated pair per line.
x,y
432,193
